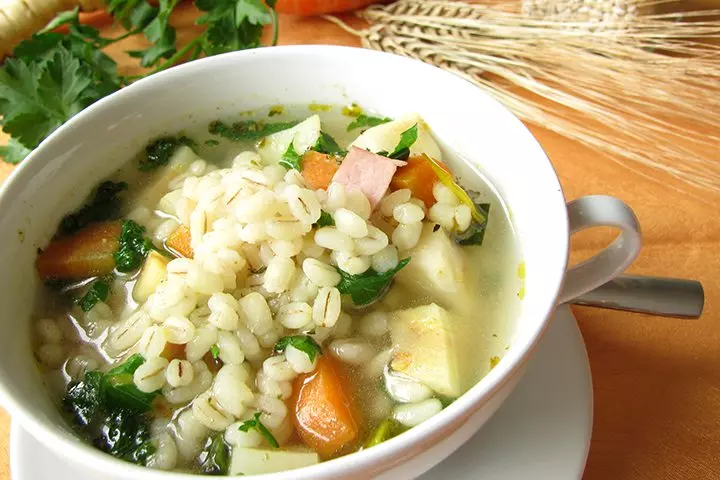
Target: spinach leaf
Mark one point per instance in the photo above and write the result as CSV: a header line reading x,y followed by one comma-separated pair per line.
x,y
407,139
475,233
215,458
366,287
125,435
387,429
366,121
134,247
262,429
247,130
128,366
98,293
325,220
119,389
327,144
83,399
159,152
291,159
303,343
104,205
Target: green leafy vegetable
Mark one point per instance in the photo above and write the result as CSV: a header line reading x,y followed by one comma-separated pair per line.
x,y
215,457
14,152
104,205
262,429
125,435
475,233
120,390
247,130
134,247
291,159
367,121
325,220
155,27
387,429
366,287
159,152
407,139
98,293
84,399
303,343
327,144
215,351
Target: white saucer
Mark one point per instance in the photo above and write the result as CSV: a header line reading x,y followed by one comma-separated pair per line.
x,y
542,431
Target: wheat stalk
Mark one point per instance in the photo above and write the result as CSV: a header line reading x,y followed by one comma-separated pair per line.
x,y
638,85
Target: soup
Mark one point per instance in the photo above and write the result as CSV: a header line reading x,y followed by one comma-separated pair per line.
x,y
263,295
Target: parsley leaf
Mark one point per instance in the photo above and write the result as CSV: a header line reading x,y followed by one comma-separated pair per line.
x,y
234,24
14,152
215,457
262,429
134,247
303,343
98,293
215,351
475,234
104,206
325,220
326,144
366,287
407,139
367,121
159,152
247,130
291,159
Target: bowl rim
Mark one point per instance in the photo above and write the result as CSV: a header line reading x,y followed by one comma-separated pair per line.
x,y
401,448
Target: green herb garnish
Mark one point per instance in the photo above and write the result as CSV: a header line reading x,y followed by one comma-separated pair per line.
x,y
215,351
98,293
215,457
262,429
159,152
326,144
366,287
291,159
366,121
134,247
247,130
325,220
387,429
407,139
303,343
104,205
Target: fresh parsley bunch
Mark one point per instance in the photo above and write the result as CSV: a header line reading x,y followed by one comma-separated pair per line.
x,y
52,76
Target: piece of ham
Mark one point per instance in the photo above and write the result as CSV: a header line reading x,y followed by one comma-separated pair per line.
x,y
368,172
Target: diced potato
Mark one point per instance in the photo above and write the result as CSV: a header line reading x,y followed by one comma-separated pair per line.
x,y
153,272
426,348
303,135
178,164
255,461
386,137
436,269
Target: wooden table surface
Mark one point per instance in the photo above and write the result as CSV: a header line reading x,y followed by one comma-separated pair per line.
x,y
656,380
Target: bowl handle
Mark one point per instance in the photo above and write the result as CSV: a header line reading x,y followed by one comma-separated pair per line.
x,y
600,211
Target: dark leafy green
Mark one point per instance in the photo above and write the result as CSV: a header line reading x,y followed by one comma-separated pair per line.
x,y
291,159
134,247
98,293
262,429
407,139
475,233
387,429
325,220
215,351
303,343
14,152
327,144
159,152
84,399
366,287
234,24
105,205
215,457
247,130
367,121
125,435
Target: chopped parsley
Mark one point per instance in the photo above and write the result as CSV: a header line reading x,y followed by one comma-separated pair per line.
x,y
326,144
407,139
303,343
104,205
215,351
262,429
367,121
366,287
247,130
98,293
325,220
291,159
159,152
134,247
215,457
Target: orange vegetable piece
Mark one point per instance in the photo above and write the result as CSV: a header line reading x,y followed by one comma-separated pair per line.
x,y
318,169
322,410
178,242
419,177
319,7
86,253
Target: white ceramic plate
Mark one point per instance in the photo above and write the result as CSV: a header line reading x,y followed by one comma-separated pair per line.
x,y
541,431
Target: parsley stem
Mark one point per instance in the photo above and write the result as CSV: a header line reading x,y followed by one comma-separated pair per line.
x,y
275,26
179,54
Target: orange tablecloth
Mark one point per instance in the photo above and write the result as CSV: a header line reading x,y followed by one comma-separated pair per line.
x,y
656,380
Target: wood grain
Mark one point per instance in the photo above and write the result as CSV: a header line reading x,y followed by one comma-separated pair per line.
x,y
657,381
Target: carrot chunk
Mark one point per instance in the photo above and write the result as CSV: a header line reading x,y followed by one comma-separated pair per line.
x,y
318,169
178,242
418,176
322,411
86,253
